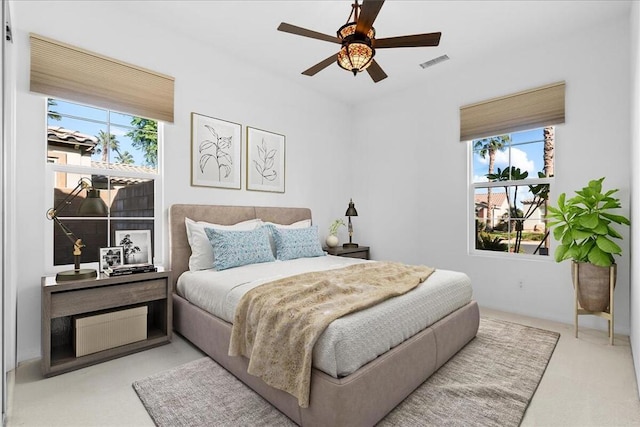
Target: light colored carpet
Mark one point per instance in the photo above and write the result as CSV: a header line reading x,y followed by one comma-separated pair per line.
x,y
490,382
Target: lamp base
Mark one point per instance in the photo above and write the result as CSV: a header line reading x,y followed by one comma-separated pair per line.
x,y
349,245
82,274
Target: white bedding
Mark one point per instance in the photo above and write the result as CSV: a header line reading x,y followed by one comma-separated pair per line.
x,y
353,340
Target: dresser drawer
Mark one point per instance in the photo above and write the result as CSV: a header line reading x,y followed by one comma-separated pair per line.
x,y
79,301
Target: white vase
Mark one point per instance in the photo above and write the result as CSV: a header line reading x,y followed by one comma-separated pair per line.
x,y
332,241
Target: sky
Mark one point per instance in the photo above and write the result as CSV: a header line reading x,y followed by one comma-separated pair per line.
x,y
95,120
527,149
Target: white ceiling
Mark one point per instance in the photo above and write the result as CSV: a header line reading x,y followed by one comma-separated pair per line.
x,y
470,29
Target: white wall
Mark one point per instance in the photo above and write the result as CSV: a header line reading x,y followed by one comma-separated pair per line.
x,y
635,185
207,82
411,183
8,152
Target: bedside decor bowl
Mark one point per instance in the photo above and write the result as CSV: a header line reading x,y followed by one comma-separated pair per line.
x,y
332,241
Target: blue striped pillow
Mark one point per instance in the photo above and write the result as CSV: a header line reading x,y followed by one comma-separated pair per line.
x,y
236,248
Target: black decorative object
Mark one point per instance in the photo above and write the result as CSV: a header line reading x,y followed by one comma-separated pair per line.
x,y
351,211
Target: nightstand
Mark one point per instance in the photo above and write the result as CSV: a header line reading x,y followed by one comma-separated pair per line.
x,y
64,302
359,252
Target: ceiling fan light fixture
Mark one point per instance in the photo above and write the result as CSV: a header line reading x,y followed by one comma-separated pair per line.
x,y
355,56
358,42
349,29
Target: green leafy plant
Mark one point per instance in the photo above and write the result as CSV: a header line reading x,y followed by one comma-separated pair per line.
x,y
583,225
540,193
488,242
335,225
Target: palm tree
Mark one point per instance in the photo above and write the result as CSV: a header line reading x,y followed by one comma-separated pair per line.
x,y
53,115
107,142
124,158
549,143
549,134
489,146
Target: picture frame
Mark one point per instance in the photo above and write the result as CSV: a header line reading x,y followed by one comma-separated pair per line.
x,y
265,160
136,246
111,257
216,152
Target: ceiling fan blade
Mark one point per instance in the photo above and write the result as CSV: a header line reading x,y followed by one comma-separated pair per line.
x,y
288,28
376,72
416,40
320,66
368,13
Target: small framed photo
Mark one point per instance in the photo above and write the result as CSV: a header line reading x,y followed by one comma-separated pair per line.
x,y
111,257
215,152
136,246
265,160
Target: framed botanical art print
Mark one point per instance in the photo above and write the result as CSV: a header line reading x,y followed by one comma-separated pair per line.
x,y
111,257
136,246
265,160
216,148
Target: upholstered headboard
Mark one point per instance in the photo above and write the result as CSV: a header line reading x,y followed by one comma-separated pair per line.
x,y
179,248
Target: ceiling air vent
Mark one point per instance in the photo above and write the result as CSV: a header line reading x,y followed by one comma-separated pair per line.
x,y
434,61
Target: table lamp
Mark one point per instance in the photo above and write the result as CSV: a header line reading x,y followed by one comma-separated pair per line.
x,y
92,205
351,211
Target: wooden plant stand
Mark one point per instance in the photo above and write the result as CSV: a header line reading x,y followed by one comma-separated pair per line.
x,y
578,310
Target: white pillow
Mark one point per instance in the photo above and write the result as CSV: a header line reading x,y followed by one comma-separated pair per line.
x,y
201,250
300,224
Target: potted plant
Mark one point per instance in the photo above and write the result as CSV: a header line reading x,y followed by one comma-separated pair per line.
x,y
332,239
584,227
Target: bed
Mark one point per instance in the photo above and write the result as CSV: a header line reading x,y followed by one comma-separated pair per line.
x,y
358,398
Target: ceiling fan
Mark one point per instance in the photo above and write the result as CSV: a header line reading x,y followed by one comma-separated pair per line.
x,y
359,43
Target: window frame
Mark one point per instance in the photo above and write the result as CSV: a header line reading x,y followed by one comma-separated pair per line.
x,y
471,213
51,170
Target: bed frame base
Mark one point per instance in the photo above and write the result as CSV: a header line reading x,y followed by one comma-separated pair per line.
x,y
360,399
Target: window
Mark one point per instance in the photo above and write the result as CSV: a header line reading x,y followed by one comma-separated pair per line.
x,y
512,176
119,154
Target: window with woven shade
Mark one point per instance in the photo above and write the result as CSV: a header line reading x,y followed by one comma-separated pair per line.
x,y
60,70
104,123
512,140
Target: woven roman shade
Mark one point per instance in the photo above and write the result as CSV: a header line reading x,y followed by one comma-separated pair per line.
x,y
67,72
530,109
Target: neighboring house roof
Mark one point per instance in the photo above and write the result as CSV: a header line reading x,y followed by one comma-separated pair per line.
x,y
61,137
497,199
124,168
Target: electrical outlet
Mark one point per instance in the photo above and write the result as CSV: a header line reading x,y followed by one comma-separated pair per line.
x,y
521,284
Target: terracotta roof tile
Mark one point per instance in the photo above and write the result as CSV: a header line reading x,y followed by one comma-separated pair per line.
x,y
497,199
60,134
122,167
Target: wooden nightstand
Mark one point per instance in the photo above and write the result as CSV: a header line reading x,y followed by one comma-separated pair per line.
x,y
359,252
62,301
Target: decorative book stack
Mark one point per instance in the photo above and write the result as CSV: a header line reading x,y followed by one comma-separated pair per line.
x,y
121,270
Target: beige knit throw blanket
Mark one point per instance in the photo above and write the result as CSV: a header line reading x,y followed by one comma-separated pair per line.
x,y
277,324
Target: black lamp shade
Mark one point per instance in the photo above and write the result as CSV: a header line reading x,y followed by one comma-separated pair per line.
x,y
351,210
93,205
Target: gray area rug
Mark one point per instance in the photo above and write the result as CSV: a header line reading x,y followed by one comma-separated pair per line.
x,y
490,382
